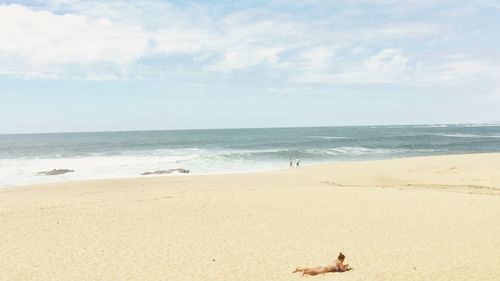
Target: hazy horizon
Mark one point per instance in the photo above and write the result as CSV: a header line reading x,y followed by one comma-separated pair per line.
x,y
484,124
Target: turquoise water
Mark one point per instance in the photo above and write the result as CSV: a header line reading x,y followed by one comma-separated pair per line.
x,y
128,154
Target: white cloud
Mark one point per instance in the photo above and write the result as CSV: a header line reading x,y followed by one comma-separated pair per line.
x,y
386,66
238,59
70,39
318,57
392,66
42,41
388,61
459,11
44,44
34,41
467,70
491,3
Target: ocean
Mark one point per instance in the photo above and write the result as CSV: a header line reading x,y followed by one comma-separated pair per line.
x,y
129,154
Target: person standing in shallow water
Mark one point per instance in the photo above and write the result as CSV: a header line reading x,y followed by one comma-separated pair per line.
x,y
335,266
291,163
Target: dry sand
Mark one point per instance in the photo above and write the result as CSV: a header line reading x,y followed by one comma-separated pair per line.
x,y
429,218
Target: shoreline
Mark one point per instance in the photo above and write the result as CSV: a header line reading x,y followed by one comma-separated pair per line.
x,y
312,166
260,226
130,154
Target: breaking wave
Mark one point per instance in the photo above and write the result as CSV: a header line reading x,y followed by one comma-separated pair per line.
x,y
466,136
328,137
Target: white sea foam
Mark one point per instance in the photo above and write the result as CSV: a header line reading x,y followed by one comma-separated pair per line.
x,y
16,172
431,126
22,171
360,151
481,125
466,136
347,150
327,137
95,158
25,171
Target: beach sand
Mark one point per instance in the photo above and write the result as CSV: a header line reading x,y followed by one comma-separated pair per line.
x,y
426,218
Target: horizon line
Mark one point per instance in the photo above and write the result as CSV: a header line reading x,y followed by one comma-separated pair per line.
x,y
248,128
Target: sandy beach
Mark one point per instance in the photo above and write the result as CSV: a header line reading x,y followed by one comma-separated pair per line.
x,y
425,218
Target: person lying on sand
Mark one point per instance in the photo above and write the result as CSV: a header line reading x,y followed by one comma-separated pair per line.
x,y
336,266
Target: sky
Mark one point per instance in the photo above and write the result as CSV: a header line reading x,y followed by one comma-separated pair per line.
x,y
69,65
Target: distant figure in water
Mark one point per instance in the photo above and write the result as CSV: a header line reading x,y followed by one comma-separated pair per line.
x,y
291,163
298,163
336,266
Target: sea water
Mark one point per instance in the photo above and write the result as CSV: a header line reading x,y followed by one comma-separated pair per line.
x,y
129,154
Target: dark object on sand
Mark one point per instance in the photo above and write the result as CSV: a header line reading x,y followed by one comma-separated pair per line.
x,y
55,172
169,171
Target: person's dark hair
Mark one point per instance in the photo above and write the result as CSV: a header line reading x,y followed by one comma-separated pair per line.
x,y
341,256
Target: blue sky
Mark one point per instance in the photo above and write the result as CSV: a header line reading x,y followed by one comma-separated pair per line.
x,y
68,65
